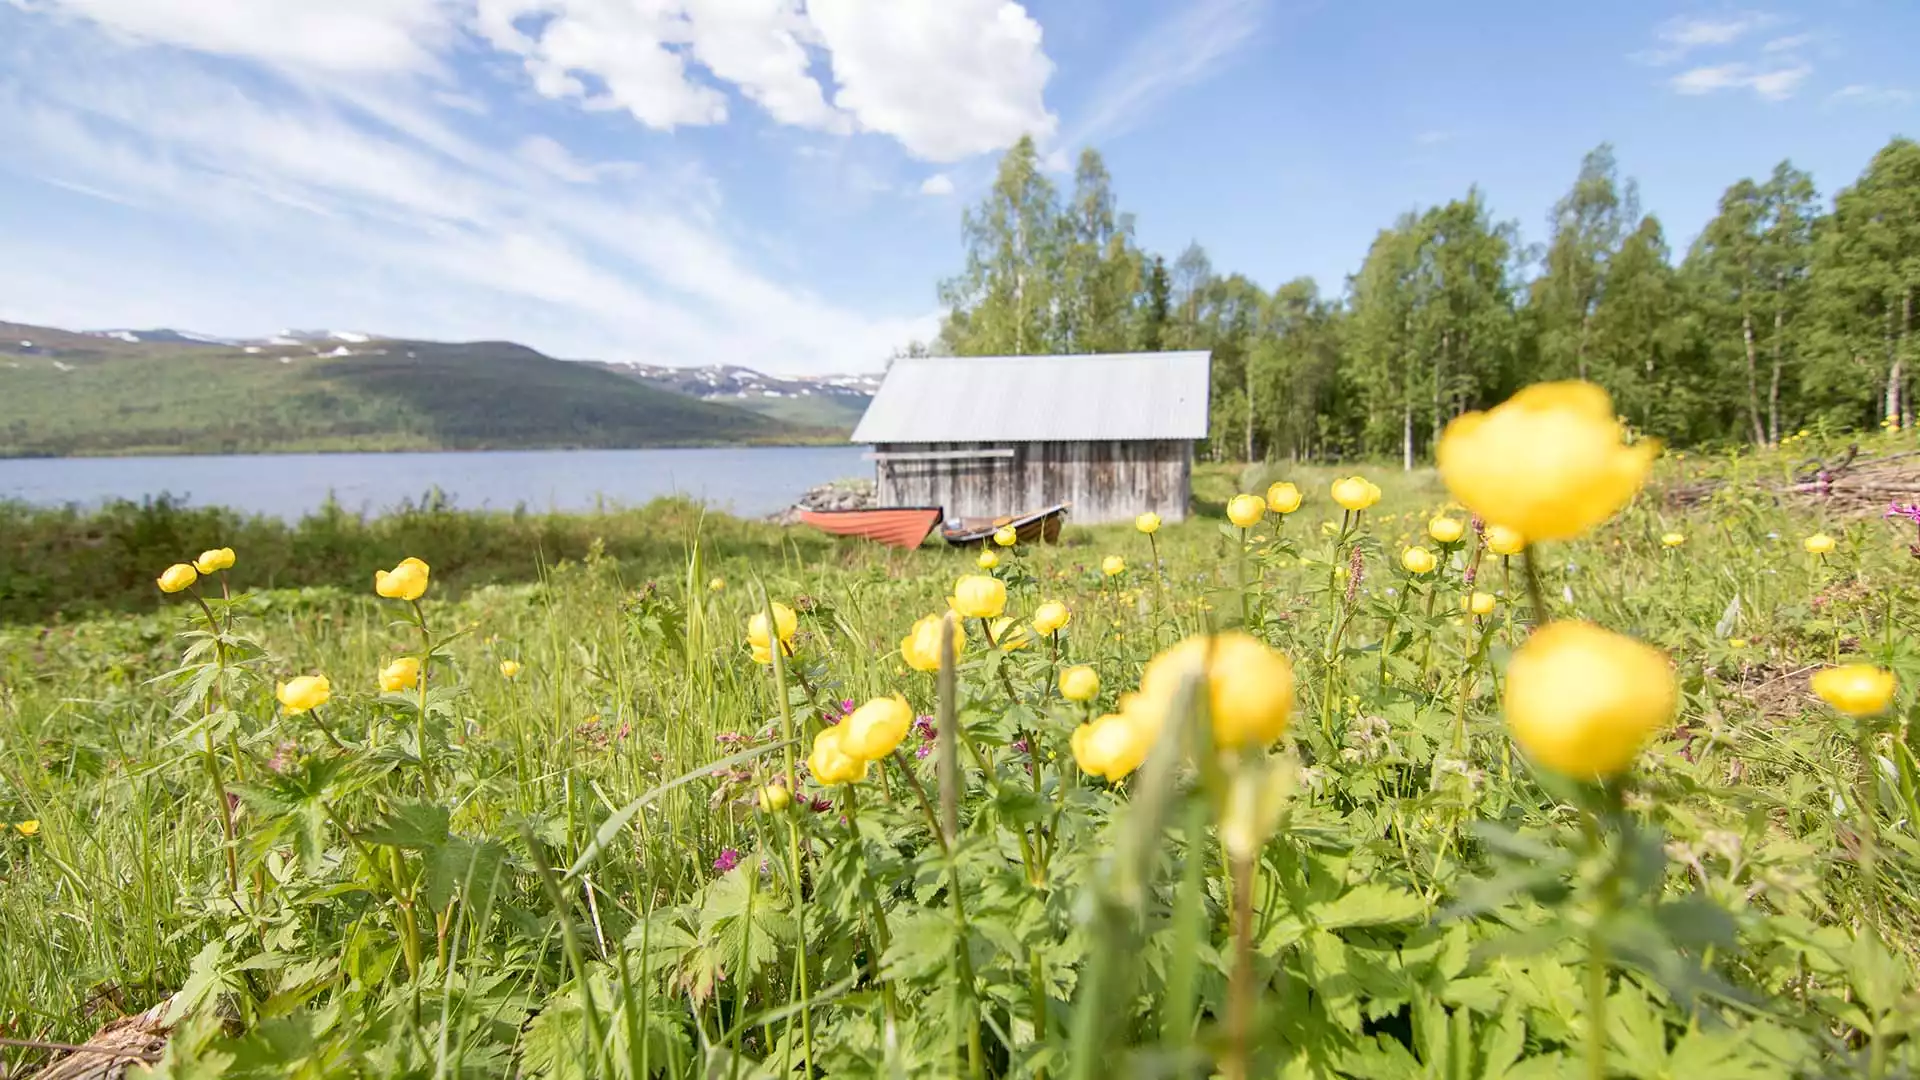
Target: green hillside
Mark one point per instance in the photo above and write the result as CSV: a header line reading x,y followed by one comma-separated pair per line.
x,y
832,413
74,395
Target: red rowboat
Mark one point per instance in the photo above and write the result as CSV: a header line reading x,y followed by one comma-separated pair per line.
x,y
897,526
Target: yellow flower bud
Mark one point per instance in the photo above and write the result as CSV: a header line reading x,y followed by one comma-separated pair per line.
x,y
304,693
28,828
1581,701
1550,461
979,597
1250,687
988,559
1673,539
1417,560
1049,617
1009,635
400,674
718,584
1283,497
1246,510
1113,566
1111,747
921,647
1148,523
215,559
1355,492
774,798
407,581
1817,544
510,668
1079,683
830,763
785,624
1504,541
873,730
1855,689
1006,536
1446,530
177,577
1480,603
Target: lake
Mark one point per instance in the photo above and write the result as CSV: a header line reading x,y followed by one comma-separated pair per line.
x,y
750,481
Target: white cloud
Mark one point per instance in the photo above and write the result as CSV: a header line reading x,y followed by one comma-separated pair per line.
x,y
1790,43
1771,84
1433,138
351,208
548,155
1863,94
1680,36
947,78
1169,56
334,35
937,184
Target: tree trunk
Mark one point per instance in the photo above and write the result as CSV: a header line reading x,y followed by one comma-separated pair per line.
x,y
1753,375
1773,386
1246,366
1406,437
1580,350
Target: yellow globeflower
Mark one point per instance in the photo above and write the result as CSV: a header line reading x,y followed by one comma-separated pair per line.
x,y
1446,530
1006,536
1250,687
1417,560
977,596
1283,497
29,827
988,559
1246,510
215,559
921,647
830,763
1817,544
1855,689
1504,541
1148,523
1549,461
510,668
1079,683
304,693
718,584
1049,617
873,730
1673,539
785,624
775,798
1111,747
1581,701
177,577
1355,492
761,654
1480,603
400,674
1010,635
1113,566
407,581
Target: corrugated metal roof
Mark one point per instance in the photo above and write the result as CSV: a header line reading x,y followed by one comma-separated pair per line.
x,y
1082,398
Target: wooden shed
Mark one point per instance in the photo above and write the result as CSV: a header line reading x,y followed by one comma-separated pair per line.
x,y
1111,434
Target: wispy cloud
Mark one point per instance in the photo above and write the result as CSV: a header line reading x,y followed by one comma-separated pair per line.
x,y
1675,38
1863,94
1770,84
1789,43
1433,138
1179,51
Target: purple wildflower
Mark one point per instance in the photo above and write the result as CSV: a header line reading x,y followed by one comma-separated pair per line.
x,y
729,858
1910,511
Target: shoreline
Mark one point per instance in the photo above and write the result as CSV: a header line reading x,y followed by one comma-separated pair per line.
x,y
836,439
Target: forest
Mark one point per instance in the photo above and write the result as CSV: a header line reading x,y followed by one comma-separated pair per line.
x,y
1787,312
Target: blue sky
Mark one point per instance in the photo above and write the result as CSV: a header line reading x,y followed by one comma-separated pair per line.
x,y
779,184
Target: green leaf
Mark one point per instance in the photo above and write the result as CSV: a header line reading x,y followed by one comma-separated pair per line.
x,y
1370,904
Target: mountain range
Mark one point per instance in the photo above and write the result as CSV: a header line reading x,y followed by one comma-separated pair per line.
x,y
126,391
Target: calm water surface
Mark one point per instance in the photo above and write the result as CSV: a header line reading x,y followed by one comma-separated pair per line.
x,y
750,481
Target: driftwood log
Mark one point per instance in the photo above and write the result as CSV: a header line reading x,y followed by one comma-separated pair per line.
x,y
124,1045
1848,484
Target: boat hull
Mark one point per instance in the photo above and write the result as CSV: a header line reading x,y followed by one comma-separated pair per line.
x,y
901,526
1040,526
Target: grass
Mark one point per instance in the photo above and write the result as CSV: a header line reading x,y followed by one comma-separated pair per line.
x,y
152,399
576,871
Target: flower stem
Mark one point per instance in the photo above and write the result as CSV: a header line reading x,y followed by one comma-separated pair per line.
x,y
779,659
420,699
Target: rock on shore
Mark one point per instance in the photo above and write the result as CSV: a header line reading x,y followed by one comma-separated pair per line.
x,y
856,494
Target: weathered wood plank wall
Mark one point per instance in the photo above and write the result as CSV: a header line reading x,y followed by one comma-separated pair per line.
x,y
1105,481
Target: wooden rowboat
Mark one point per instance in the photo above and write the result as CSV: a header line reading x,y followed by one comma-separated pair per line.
x,y
896,526
1040,525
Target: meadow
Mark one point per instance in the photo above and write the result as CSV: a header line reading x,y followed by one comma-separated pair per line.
x,y
597,823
